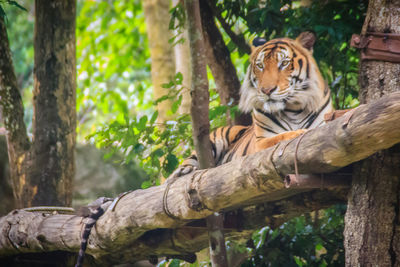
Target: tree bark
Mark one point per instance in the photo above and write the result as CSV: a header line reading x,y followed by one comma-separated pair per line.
x,y
220,63
12,113
54,95
6,192
372,220
42,170
161,52
138,226
201,124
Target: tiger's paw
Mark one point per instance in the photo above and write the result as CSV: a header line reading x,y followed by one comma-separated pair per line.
x,y
294,134
181,171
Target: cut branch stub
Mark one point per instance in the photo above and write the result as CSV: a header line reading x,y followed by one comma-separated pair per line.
x,y
335,180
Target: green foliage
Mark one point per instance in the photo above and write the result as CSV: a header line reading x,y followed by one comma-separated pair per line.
x,y
112,63
302,242
3,14
158,147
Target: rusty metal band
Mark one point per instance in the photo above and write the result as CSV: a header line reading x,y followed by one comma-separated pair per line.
x,y
378,46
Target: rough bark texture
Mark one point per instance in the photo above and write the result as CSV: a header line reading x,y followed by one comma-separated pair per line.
x,y
199,87
161,52
372,235
6,192
137,228
13,117
52,169
201,124
42,171
220,63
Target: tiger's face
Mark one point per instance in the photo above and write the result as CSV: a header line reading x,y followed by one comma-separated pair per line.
x,y
282,75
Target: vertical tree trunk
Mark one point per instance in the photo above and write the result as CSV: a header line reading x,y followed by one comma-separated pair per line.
x,y
372,223
42,171
220,63
12,113
161,52
182,65
201,124
54,103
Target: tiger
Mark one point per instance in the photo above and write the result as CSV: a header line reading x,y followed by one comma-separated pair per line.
x,y
286,94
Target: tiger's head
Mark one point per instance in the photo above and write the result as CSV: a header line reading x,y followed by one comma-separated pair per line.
x,y
282,75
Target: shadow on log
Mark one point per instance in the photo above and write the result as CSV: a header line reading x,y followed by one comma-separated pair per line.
x,y
138,227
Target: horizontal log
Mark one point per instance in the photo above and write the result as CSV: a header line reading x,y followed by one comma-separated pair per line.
x,y
120,234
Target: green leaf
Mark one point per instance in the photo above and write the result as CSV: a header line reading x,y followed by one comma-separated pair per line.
x,y
174,263
146,184
161,99
178,78
13,3
176,104
153,117
171,163
158,153
142,123
2,13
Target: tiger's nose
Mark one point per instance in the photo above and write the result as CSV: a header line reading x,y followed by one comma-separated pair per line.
x,y
268,91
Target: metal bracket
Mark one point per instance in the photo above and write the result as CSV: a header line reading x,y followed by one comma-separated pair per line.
x,y
378,46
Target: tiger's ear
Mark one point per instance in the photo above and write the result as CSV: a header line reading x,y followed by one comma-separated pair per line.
x,y
307,40
257,42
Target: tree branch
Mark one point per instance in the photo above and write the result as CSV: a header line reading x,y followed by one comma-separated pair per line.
x,y
238,39
220,63
124,235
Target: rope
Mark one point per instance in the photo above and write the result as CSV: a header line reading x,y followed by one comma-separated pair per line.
x,y
165,196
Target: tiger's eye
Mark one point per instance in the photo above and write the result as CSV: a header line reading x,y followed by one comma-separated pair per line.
x,y
285,63
260,66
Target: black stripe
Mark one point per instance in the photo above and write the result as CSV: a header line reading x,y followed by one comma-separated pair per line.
x,y
300,61
307,68
294,111
245,149
266,128
230,156
86,233
239,135
227,135
316,114
311,120
193,157
272,118
214,149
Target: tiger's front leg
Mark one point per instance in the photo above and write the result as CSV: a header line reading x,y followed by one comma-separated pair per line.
x,y
271,141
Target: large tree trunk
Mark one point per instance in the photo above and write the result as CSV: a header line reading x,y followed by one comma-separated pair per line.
x,y
161,52
52,168
372,220
12,113
42,171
